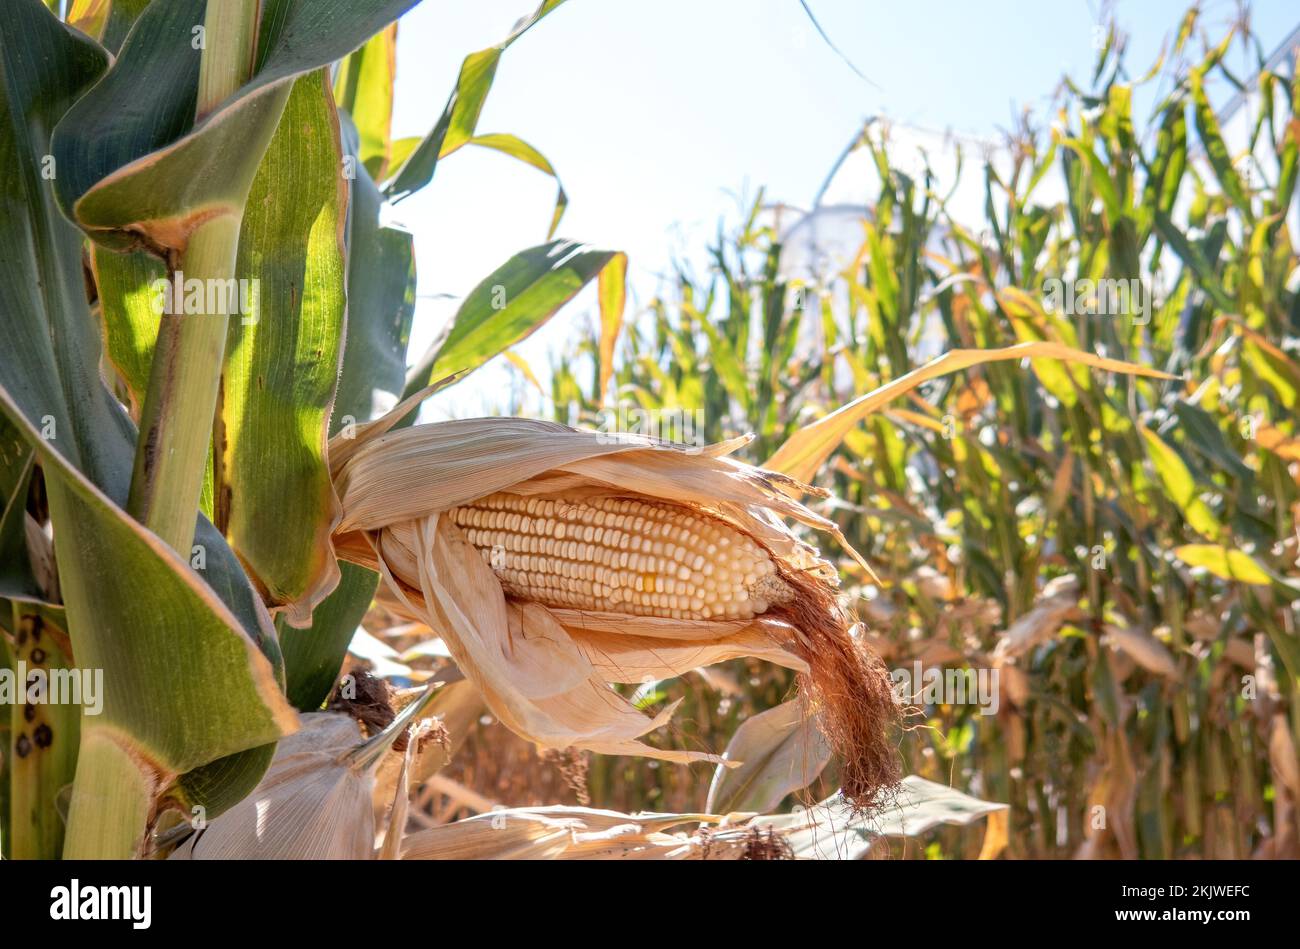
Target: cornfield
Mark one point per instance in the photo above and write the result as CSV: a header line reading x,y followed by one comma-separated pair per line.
x,y
952,565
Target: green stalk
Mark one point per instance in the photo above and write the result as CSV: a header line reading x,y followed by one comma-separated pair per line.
x,y
176,421
230,43
180,403
115,787
42,748
111,804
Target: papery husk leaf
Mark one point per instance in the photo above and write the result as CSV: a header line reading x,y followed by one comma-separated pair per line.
x,y
412,472
555,832
489,837
457,707
1144,649
780,749
1059,600
392,845
311,804
530,671
832,830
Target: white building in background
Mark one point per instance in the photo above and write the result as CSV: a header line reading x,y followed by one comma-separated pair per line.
x,y
817,245
824,240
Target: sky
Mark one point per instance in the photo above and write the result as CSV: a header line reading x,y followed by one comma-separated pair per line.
x,y
659,116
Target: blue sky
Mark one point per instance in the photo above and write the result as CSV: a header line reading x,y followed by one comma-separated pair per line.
x,y
658,114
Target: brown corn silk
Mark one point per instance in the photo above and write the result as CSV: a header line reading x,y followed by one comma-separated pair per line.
x,y
543,660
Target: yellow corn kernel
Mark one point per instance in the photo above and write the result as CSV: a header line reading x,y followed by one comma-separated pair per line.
x,y
622,555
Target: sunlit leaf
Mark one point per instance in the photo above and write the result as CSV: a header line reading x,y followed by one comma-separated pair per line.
x,y
1225,563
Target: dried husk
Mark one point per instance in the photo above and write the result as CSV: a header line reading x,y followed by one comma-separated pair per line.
x,y
574,833
312,804
545,672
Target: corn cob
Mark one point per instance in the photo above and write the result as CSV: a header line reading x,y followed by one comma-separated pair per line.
x,y
622,555
643,556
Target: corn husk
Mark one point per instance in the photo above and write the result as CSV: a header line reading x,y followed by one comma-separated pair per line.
x,y
1144,649
546,672
315,802
832,829
576,833
312,804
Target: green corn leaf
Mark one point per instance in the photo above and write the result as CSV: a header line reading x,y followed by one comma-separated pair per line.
x,y
1274,367
53,396
1224,563
106,20
144,617
517,148
134,176
363,86
1289,159
282,356
282,359
1165,173
459,120
314,656
612,289
1195,260
1207,439
1180,485
507,306
1216,150
381,304
1100,178
16,577
129,298
43,742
